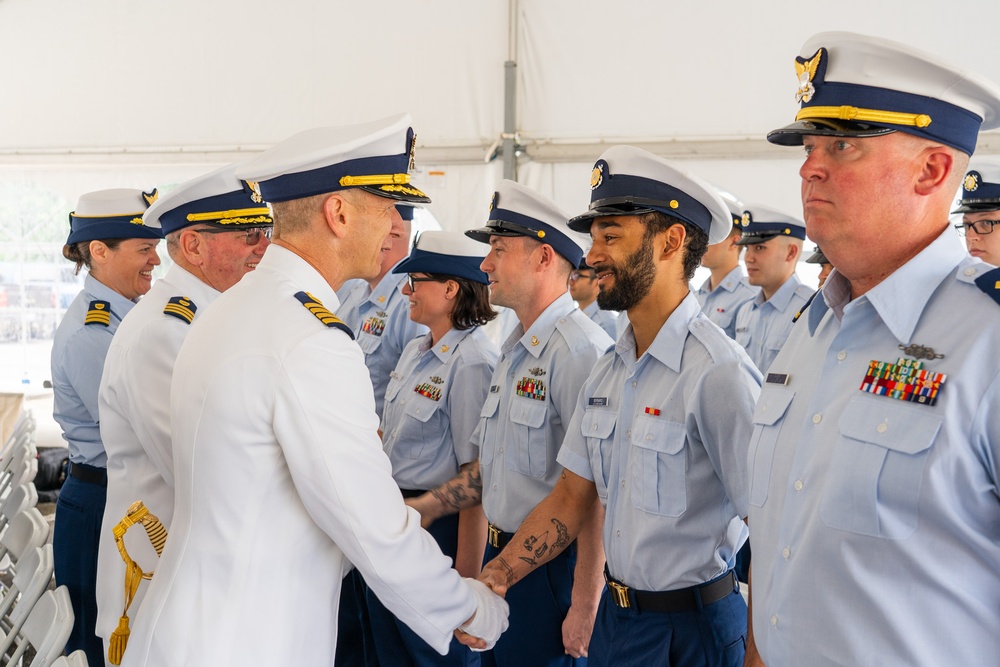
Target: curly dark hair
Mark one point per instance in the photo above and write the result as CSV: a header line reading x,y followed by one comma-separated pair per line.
x,y
695,245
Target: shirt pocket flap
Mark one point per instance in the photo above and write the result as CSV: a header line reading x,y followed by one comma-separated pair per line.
x,y
771,405
890,424
420,407
658,434
528,412
490,406
598,423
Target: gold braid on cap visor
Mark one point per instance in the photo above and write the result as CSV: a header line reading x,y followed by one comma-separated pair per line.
x,y
862,115
375,179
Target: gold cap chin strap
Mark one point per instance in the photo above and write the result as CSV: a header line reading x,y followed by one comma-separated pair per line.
x,y
862,115
134,575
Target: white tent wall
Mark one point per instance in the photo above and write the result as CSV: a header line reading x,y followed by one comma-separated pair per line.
x,y
112,92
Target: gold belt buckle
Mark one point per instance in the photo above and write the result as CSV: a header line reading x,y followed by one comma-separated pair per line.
x,y
620,594
493,536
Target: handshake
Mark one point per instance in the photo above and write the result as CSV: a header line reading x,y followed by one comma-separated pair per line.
x,y
481,632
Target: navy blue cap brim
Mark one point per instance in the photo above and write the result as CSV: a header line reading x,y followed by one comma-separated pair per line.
x,y
978,206
100,231
399,193
582,222
817,258
483,234
753,239
791,135
421,261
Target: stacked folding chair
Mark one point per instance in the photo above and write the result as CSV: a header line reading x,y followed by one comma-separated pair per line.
x,y
45,630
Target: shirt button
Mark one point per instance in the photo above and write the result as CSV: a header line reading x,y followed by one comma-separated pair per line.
x,y
882,428
618,533
623,483
634,384
786,553
841,355
595,427
418,410
970,272
494,487
774,619
501,450
817,418
628,433
798,485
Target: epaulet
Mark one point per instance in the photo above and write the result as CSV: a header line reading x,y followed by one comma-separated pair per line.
x,y
806,291
99,313
314,306
804,307
578,330
989,283
181,307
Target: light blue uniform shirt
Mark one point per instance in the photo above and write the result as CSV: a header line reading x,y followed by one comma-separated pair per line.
x,y
876,521
380,320
721,303
532,395
78,352
607,319
432,406
763,326
664,438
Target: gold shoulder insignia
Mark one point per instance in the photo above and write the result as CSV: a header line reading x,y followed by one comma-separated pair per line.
x,y
181,307
99,313
314,306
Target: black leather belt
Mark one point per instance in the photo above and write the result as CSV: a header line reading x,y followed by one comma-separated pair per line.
x,y
89,474
684,599
497,538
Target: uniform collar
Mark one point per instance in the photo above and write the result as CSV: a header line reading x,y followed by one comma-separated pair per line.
x,y
591,310
101,292
190,286
782,297
447,345
301,273
668,345
729,283
900,299
390,283
535,338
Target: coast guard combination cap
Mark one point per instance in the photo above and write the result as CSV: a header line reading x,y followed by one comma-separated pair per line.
x,y
817,257
111,214
630,181
519,211
735,206
761,223
374,156
855,85
216,199
980,189
446,253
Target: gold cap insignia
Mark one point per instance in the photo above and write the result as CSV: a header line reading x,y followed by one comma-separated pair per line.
x,y
597,177
493,202
971,182
413,150
745,221
137,221
805,70
255,195
151,197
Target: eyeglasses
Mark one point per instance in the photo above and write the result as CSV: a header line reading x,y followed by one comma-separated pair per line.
x,y
577,275
251,235
411,280
981,227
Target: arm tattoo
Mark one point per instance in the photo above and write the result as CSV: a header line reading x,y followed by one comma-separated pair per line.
x,y
562,538
507,570
451,495
475,482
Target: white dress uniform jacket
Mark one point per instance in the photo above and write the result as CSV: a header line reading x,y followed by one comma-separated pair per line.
x,y
134,401
876,519
281,484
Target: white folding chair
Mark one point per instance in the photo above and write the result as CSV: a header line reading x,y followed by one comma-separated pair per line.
x,y
31,580
18,500
23,468
27,530
46,629
74,659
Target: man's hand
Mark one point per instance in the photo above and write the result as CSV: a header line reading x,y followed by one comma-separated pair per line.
x,y
498,575
483,629
576,630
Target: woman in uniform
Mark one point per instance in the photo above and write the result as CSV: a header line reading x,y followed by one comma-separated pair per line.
x,y
108,237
